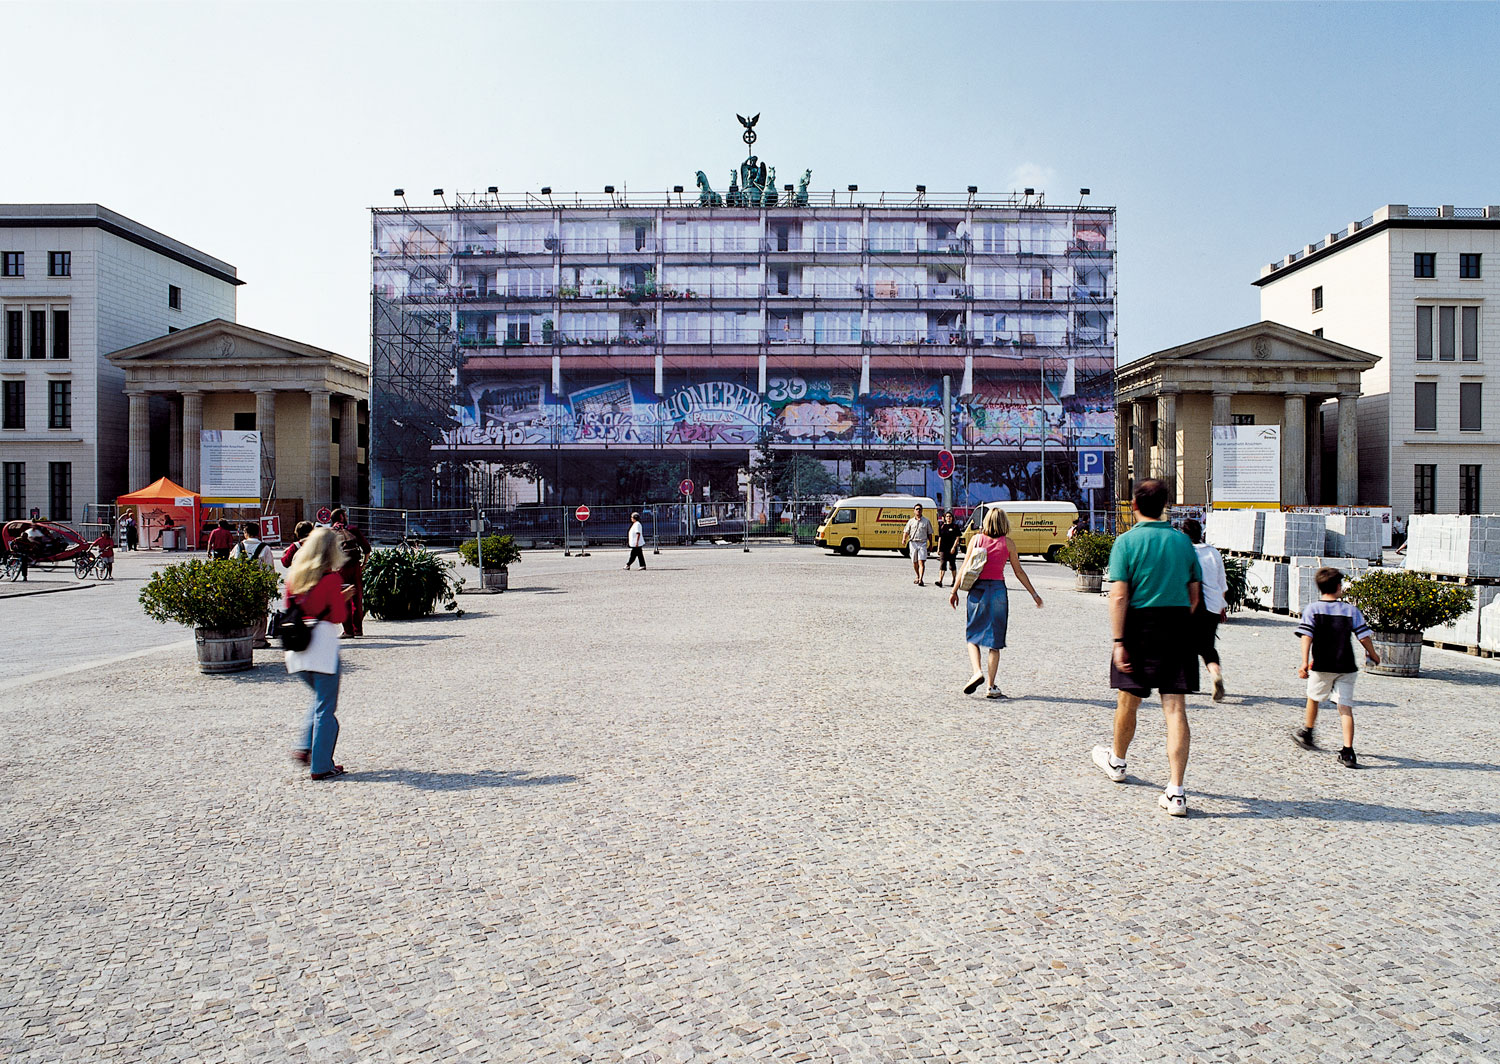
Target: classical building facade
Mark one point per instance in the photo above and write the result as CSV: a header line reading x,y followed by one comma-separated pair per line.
x,y
309,405
1263,374
586,335
1418,286
78,281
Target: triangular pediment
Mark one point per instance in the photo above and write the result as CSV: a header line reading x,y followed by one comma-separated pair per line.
x,y
1267,343
219,339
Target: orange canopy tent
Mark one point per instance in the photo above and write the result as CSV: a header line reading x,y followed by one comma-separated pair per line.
x,y
156,502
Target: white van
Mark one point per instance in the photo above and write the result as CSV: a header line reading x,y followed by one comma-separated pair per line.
x,y
1035,527
873,522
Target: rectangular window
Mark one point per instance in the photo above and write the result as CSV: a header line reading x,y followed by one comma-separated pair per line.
x,y
244,421
60,264
338,427
1426,404
13,333
59,334
15,405
1318,333
1468,489
38,347
1424,489
59,404
1424,264
60,497
1470,400
14,265
174,297
15,490
1468,266
1469,334
1318,298
1424,334
1446,347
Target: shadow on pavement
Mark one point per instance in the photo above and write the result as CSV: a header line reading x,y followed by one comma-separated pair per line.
x,y
1391,761
457,781
1338,809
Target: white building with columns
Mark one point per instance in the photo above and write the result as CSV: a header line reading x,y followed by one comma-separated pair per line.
x,y
309,405
1420,287
78,281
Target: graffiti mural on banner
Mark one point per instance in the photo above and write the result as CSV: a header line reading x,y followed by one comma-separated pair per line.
x,y
797,409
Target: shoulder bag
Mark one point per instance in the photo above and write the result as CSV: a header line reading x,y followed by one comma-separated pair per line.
x,y
975,559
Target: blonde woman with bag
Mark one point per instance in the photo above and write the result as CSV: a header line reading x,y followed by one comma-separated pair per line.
x,y
989,602
315,585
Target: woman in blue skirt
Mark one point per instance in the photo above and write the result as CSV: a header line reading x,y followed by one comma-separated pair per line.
x,y
989,604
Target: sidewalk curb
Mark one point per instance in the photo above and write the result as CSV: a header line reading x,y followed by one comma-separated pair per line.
x,y
45,591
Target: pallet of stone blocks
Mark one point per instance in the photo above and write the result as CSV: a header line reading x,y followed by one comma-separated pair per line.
x,y
1239,531
1454,545
1266,582
1302,587
1479,629
1352,536
1292,535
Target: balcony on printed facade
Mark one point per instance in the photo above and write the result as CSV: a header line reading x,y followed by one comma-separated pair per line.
x,y
932,336
594,338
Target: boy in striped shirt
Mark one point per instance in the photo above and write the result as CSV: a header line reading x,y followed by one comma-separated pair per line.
x,y
1328,663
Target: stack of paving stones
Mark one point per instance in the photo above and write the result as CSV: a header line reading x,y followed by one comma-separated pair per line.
x,y
1353,536
1461,549
1291,535
1302,588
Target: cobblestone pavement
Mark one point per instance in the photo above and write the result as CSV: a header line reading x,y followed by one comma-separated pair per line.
x,y
734,808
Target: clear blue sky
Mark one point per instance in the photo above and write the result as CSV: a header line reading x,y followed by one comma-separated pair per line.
x,y
1226,134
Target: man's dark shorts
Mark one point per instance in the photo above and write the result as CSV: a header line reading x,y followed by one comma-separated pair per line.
x,y
1163,652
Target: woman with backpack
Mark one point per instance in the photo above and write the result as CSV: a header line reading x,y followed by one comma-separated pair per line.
x,y
356,549
989,603
318,593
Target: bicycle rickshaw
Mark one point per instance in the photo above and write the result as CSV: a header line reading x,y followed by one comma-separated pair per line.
x,y
49,546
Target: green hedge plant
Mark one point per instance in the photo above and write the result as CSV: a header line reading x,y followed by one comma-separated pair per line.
x,y
500,552
1398,601
402,584
1087,552
216,594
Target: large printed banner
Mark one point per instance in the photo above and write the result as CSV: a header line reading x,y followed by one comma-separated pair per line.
x,y
506,412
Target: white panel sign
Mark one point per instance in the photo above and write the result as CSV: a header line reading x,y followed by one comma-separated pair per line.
x,y
1247,464
229,466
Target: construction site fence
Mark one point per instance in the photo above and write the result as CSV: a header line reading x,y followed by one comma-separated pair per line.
x,y
665,524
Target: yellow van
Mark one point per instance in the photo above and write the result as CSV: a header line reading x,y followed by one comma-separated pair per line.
x,y
873,522
1035,527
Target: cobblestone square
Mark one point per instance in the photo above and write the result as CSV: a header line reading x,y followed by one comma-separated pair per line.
x,y
730,808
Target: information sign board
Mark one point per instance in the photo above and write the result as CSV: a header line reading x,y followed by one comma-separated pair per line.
x,y
229,466
1247,464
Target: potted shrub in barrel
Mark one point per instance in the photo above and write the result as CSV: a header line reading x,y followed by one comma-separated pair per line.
x,y
221,600
1399,606
1087,554
500,553
402,584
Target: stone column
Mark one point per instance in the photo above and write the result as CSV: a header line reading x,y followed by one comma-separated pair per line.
x,y
140,440
1222,415
174,440
1348,488
319,440
1141,423
348,450
1294,451
265,422
1166,439
1315,451
1122,451
192,439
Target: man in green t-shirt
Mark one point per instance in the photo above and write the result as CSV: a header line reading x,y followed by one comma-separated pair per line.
x,y
1155,585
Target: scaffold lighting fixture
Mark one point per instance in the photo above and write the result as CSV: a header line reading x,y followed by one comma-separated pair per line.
x,y
609,189
398,192
439,192
973,190
494,189
546,190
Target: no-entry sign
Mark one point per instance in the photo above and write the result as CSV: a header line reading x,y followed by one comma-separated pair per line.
x,y
686,487
582,513
945,464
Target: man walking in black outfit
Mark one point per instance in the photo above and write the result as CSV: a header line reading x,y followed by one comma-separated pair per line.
x,y
637,540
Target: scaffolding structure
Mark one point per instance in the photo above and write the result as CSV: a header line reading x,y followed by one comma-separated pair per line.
x,y
555,331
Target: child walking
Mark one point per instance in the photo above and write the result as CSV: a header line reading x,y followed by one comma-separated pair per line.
x,y
1328,663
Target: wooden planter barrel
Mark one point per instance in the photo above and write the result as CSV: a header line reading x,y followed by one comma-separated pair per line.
x,y
1400,654
223,650
496,579
1089,582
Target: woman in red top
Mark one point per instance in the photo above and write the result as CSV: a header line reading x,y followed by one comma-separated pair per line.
x,y
315,585
989,603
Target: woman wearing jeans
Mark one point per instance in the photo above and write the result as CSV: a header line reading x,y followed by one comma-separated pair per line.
x,y
989,603
314,584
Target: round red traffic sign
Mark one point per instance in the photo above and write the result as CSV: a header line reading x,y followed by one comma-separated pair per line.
x,y
582,513
945,464
324,515
686,487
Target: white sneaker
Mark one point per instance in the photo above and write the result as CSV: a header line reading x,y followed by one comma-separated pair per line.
x,y
1102,759
994,692
1174,804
